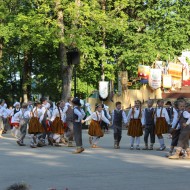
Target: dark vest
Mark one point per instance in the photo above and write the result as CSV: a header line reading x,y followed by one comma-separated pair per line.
x,y
117,120
15,111
182,120
75,116
149,118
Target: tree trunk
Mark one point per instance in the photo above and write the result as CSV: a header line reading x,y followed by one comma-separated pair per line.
x,y
66,70
26,79
1,48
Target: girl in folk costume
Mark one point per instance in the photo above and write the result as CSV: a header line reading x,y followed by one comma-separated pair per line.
x,y
15,125
58,119
161,123
22,117
35,127
135,125
95,130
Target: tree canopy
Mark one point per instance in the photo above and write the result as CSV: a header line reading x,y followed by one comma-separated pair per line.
x,y
110,35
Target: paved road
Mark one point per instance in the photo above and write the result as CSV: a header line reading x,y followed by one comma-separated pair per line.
x,y
103,169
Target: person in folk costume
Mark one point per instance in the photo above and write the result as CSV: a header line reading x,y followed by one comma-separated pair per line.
x,y
118,115
78,115
68,111
46,124
148,125
88,112
35,127
104,125
1,117
183,140
178,111
95,130
135,125
57,123
162,121
30,106
22,117
15,131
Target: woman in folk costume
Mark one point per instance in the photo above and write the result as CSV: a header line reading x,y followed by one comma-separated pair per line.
x,y
135,125
58,119
22,117
95,130
35,127
162,121
15,125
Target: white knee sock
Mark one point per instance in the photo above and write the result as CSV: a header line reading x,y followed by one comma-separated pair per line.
x,y
138,141
132,141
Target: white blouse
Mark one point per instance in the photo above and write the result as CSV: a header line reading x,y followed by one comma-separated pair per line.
x,y
97,116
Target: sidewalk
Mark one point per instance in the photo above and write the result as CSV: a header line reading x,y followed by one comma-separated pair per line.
x,y
102,169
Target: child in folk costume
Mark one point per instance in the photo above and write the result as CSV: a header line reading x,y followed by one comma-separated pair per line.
x,y
183,141
1,119
58,119
179,111
135,125
118,115
162,121
104,125
35,127
22,117
77,124
45,121
95,130
15,131
148,125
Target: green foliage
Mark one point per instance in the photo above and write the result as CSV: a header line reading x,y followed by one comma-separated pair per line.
x,y
121,36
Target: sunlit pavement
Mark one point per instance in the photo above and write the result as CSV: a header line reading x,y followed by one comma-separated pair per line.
x,y
103,168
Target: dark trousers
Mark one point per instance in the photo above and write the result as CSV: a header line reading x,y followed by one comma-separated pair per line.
x,y
149,130
23,129
117,133
175,137
46,132
104,126
77,129
183,140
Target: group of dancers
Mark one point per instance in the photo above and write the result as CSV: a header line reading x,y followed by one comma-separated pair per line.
x,y
65,120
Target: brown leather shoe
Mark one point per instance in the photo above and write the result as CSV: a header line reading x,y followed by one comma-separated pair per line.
x,y
78,151
95,146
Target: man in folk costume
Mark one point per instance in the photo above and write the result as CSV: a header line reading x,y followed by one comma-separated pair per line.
x,y
35,127
162,121
135,125
15,131
178,111
45,121
148,125
58,119
95,130
118,116
77,125
68,111
23,118
183,141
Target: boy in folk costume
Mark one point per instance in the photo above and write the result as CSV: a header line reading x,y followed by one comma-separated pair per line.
x,y
135,125
183,141
23,118
161,123
45,121
118,115
15,131
95,130
35,127
148,125
179,111
57,126
104,125
77,125
68,111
